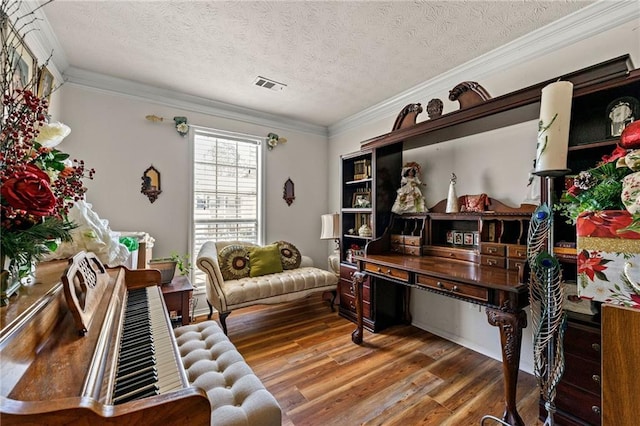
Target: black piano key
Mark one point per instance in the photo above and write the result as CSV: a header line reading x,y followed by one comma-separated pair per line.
x,y
135,382
144,392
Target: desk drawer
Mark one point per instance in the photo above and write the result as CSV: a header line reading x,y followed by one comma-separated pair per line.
x,y
496,262
583,405
581,373
397,274
583,342
449,253
410,240
348,302
517,251
465,290
492,249
405,249
346,289
515,264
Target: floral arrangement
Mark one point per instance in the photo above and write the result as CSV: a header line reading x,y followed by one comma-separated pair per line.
x,y
602,188
39,182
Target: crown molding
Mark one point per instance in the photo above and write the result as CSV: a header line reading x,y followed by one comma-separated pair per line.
x,y
580,25
130,89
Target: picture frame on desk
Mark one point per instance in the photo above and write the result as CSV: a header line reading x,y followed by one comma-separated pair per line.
x,y
361,200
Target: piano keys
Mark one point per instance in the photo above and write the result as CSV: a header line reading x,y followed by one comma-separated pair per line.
x,y
60,366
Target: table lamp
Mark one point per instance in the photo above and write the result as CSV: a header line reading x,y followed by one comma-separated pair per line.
x,y
331,229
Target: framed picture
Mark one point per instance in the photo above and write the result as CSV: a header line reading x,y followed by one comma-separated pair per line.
x,y
620,113
45,83
450,237
468,238
361,200
18,59
458,237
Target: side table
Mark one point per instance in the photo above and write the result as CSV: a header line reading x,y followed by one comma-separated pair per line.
x,y
177,295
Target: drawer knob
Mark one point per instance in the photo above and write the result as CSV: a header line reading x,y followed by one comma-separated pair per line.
x,y
492,262
452,254
454,288
492,250
521,253
379,269
389,271
439,284
596,378
595,347
595,409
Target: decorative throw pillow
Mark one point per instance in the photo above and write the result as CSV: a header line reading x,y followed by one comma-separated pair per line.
x,y
289,255
234,262
264,260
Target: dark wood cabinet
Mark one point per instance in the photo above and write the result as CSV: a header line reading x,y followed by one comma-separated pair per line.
x,y
381,302
578,395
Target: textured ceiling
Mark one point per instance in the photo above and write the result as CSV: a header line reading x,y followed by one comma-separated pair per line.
x,y
336,57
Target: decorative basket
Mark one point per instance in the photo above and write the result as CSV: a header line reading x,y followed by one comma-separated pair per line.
x,y
167,268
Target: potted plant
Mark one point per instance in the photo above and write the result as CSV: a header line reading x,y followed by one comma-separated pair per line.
x,y
168,265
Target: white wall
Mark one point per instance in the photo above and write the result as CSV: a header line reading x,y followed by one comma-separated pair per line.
x,y
110,133
495,162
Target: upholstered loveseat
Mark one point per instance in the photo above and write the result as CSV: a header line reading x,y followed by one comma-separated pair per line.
x,y
237,276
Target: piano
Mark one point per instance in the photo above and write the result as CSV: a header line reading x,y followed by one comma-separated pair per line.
x,y
87,344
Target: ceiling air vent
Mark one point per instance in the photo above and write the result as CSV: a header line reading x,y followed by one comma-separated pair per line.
x,y
269,84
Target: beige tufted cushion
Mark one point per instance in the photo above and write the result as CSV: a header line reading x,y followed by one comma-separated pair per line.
x,y
285,283
236,395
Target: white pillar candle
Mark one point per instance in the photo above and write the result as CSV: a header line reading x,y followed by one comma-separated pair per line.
x,y
553,127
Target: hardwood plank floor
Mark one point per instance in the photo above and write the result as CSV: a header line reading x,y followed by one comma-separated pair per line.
x,y
303,354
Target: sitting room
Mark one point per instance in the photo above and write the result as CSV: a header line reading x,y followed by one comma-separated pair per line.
x,y
320,212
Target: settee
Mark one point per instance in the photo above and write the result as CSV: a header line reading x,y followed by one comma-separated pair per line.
x,y
236,276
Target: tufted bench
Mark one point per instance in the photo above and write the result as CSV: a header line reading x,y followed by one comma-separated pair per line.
x,y
236,395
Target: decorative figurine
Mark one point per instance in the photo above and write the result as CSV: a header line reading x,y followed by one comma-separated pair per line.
x,y
410,199
452,198
434,108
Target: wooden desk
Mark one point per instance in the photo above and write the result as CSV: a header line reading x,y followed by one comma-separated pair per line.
x,y
177,296
500,290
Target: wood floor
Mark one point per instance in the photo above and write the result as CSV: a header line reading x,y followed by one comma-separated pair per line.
x,y
405,376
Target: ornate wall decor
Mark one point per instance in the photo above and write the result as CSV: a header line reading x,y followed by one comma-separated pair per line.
x,y
468,93
407,116
434,108
620,113
180,123
151,183
273,140
288,193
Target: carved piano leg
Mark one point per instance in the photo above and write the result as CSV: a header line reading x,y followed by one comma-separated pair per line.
x,y
358,281
511,325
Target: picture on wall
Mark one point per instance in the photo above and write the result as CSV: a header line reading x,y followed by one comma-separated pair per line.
x,y
18,59
45,83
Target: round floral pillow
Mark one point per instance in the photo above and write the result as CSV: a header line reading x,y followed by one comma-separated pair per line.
x,y
234,262
289,255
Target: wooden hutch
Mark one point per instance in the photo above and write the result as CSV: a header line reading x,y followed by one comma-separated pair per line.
x,y
413,250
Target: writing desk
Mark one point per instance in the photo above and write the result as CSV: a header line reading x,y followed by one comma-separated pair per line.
x,y
502,291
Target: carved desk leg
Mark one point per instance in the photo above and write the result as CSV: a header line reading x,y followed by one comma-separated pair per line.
x,y
358,281
511,324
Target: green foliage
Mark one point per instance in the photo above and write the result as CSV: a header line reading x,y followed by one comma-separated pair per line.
x,y
183,263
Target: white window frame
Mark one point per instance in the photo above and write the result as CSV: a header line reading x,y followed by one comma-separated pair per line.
x,y
197,276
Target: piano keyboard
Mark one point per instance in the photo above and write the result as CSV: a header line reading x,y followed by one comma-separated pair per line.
x,y
147,364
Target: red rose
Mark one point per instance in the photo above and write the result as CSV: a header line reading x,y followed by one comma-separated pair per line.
x,y
29,190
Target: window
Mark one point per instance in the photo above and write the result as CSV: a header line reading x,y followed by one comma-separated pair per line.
x,y
227,190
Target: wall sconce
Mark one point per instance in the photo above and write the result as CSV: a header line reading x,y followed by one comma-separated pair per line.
x,y
180,123
151,184
273,140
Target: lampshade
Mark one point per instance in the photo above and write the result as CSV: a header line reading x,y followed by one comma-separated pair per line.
x,y
330,226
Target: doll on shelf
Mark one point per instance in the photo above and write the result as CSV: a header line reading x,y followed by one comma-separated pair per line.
x,y
410,199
